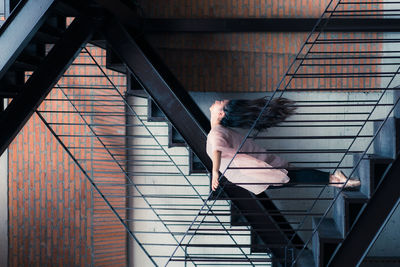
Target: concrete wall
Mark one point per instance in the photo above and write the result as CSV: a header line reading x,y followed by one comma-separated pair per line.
x,y
4,207
166,206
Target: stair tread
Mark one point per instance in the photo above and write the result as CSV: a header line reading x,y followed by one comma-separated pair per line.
x,y
354,195
31,59
375,156
8,90
327,230
65,9
44,37
51,30
19,65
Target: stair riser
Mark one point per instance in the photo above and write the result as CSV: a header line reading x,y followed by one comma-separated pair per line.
x,y
325,240
346,214
387,143
113,62
14,78
370,171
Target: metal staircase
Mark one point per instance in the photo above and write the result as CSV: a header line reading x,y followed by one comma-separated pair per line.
x,y
328,60
25,50
149,186
145,180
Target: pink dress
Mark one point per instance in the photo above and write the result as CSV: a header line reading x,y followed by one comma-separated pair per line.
x,y
227,141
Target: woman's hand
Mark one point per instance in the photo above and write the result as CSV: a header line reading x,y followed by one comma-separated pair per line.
x,y
216,159
215,183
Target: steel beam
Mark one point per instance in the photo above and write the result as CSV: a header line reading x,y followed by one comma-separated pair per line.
x,y
44,78
19,29
355,246
257,211
162,86
267,25
211,25
187,118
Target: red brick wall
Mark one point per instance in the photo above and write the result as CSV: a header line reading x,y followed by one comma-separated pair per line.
x,y
245,62
237,62
229,8
109,236
56,217
251,62
49,203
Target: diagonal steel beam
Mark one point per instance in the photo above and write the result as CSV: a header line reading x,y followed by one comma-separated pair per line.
x,y
44,78
185,115
162,86
19,29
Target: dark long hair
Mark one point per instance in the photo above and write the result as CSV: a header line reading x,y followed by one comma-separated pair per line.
x,y
242,113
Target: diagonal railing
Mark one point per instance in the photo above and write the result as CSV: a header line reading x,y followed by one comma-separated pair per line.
x,y
147,185
338,64
125,160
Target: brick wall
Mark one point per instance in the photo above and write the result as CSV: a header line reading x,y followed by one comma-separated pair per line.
x,y
109,236
245,62
55,216
229,8
49,203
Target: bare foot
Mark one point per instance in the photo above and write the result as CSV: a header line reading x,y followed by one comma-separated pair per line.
x,y
338,179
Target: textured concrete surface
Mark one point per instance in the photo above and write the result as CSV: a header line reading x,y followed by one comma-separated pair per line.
x,y
4,209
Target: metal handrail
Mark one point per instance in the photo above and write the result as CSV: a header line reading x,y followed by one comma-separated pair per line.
x,y
180,170
251,129
354,138
162,218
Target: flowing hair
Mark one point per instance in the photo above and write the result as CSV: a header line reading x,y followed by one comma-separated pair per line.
x,y
242,113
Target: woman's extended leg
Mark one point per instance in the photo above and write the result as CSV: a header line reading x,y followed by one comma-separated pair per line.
x,y
308,176
311,176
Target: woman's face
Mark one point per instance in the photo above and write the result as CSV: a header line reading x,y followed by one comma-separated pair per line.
x,y
217,109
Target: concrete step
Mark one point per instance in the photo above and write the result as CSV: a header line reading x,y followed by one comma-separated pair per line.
x,y
325,240
154,113
370,171
387,141
346,209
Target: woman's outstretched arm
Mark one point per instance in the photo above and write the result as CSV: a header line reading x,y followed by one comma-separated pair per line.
x,y
216,159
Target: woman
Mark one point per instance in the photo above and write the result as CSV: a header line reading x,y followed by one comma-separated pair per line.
x,y
256,170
